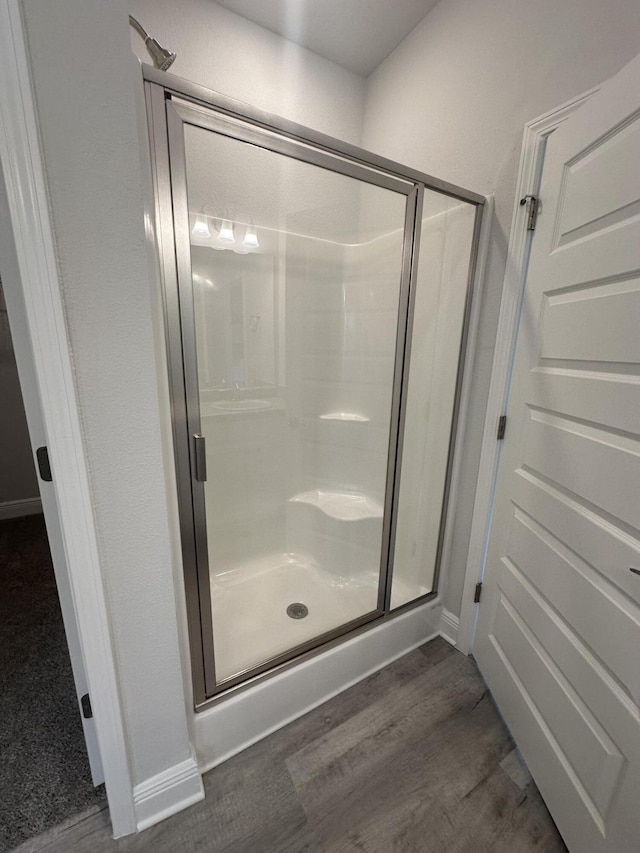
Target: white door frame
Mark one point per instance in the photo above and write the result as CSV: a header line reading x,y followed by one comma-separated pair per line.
x,y
24,175
536,133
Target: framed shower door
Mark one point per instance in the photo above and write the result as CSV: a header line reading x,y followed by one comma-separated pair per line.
x,y
291,408
291,263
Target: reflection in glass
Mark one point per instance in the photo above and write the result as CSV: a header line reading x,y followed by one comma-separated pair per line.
x,y
295,340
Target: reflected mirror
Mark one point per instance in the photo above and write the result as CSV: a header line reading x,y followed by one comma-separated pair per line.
x,y
235,306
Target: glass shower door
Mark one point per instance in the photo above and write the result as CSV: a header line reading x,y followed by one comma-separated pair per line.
x,y
293,286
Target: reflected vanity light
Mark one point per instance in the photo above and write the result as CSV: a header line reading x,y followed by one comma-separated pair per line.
x,y
251,238
201,227
222,236
204,281
226,232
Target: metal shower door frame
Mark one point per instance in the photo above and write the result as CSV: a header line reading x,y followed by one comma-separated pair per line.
x,y
171,103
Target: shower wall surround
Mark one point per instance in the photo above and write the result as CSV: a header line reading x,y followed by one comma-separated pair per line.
x,y
307,462
316,302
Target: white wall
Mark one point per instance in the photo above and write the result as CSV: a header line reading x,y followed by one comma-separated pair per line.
x,y
84,80
452,100
225,52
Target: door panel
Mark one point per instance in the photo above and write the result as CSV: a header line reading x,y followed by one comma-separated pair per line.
x,y
559,624
591,752
582,597
291,392
599,466
592,323
596,190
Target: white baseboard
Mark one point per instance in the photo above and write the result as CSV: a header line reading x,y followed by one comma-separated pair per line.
x,y
15,509
169,792
449,627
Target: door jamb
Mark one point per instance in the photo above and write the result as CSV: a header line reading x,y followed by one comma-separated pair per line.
x,y
24,173
536,133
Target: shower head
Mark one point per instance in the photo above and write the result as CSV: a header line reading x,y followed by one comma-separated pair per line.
x,y
162,58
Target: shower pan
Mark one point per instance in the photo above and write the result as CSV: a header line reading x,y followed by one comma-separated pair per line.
x,y
316,300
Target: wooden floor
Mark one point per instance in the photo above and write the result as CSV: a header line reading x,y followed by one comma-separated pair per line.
x,y
414,758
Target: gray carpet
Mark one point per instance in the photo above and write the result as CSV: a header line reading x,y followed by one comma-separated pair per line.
x,y
44,772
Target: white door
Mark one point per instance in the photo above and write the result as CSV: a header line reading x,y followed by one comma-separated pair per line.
x,y
37,436
558,638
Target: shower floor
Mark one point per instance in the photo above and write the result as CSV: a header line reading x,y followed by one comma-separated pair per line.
x,y
250,621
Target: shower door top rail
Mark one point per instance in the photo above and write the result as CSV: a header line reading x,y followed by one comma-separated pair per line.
x,y
271,121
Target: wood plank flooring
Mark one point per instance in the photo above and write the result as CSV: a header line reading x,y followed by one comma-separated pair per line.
x,y
414,758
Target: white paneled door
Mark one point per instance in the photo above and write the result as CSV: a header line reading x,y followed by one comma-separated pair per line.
x,y
558,638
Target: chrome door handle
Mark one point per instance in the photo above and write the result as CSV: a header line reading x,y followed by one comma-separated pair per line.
x,y
200,458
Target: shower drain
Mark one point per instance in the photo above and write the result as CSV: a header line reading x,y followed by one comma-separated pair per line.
x,y
297,610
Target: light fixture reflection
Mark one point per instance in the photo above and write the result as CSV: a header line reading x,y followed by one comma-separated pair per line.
x,y
251,238
223,233
226,232
204,281
201,227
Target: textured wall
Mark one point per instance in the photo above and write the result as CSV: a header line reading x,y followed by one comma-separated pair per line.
x,y
452,100
84,89
223,51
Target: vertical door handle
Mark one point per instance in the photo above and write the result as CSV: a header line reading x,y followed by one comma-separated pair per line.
x,y
200,458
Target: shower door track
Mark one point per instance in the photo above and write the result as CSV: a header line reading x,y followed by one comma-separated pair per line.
x,y
291,139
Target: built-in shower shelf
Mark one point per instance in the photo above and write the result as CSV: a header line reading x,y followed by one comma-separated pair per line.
x,y
344,416
345,506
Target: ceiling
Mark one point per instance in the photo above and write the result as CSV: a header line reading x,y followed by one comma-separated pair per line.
x,y
357,34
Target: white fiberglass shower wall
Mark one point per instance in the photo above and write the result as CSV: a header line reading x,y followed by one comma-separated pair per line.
x,y
315,355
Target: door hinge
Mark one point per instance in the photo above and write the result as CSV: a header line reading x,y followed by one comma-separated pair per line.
x,y
532,203
502,426
477,593
44,466
85,702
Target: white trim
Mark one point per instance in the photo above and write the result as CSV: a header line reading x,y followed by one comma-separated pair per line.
x,y
227,728
16,509
449,627
167,793
28,205
528,182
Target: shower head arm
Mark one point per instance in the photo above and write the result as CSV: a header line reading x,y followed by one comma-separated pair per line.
x,y
162,58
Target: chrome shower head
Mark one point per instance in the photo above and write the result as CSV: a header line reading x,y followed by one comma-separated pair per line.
x,y
162,58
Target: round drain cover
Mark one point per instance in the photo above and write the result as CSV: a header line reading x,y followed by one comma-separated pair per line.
x,y
297,610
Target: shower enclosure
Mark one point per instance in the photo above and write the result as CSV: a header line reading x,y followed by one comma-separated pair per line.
x,y
316,306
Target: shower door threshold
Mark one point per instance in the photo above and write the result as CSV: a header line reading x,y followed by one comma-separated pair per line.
x,y
308,651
